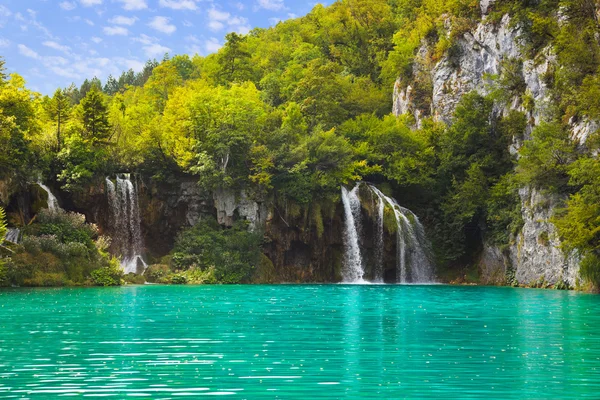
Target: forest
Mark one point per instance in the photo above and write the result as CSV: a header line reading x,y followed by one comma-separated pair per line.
x,y
291,113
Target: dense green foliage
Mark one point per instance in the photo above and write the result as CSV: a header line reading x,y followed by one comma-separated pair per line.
x,y
292,112
60,249
230,254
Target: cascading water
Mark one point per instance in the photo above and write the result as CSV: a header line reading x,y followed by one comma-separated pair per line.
x,y
13,235
125,223
412,261
379,243
52,202
353,267
411,244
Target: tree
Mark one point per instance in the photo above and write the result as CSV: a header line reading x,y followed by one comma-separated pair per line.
x,y
59,110
94,116
112,86
234,60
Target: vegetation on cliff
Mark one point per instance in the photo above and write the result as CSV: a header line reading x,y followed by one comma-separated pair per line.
x,y
292,112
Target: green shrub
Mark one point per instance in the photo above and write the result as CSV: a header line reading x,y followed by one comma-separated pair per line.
x,y
233,252
108,276
157,273
178,279
589,269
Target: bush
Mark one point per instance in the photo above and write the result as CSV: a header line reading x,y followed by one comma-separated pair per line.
x,y
178,279
233,252
108,276
589,269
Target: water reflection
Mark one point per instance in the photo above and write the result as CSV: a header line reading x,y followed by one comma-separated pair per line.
x,y
371,341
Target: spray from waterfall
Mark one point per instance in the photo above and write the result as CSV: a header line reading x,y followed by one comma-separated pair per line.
x,y
125,223
52,201
353,270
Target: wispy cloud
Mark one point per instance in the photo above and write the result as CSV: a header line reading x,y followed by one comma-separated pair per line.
x,y
163,25
67,5
178,4
151,45
273,5
27,52
121,20
57,46
115,30
218,20
134,4
4,43
90,3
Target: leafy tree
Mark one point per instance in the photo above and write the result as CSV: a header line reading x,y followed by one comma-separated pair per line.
x,y
234,60
545,158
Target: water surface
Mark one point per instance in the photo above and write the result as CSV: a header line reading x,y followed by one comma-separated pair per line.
x,y
299,342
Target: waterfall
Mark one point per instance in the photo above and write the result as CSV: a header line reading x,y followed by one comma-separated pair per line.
x,y
52,202
13,235
379,243
125,222
352,271
411,244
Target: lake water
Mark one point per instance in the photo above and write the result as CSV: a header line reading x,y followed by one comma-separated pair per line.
x,y
299,342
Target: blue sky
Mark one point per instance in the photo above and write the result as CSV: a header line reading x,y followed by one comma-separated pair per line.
x,y
55,42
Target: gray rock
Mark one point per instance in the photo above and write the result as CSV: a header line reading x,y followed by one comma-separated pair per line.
x,y
536,253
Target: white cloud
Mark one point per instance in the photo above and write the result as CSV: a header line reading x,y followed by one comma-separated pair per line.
x,y
187,23
134,4
67,5
162,24
151,45
115,30
155,49
274,21
212,45
89,3
217,20
4,42
178,4
5,12
273,5
27,52
57,46
96,39
121,20
90,23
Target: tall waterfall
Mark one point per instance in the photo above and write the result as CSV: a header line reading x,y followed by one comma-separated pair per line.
x,y
411,244
125,222
52,202
353,270
412,262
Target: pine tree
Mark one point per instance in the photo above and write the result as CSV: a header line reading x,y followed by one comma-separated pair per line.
x,y
59,110
95,116
112,86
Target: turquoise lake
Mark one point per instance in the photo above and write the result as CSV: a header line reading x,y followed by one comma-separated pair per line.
x,y
299,342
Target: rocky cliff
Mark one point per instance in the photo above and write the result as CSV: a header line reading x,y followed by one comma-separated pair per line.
x,y
534,255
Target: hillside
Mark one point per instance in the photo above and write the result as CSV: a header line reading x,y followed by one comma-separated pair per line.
x,y
481,118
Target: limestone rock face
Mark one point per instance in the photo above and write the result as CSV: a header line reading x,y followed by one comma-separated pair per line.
x,y
228,202
536,255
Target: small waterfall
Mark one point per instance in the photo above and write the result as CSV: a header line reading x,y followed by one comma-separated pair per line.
x,y
13,235
52,202
411,245
379,243
352,271
125,222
